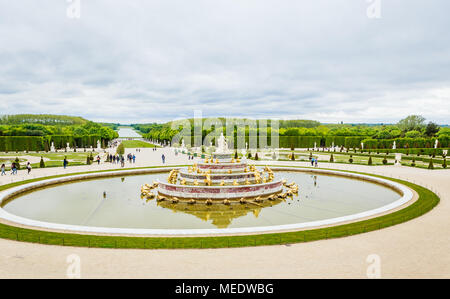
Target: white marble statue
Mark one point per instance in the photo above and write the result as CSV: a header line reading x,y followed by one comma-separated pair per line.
x,y
436,144
99,147
183,145
222,145
68,146
362,145
52,148
394,146
315,146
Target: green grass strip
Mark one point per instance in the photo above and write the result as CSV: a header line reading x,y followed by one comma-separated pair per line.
x,y
427,200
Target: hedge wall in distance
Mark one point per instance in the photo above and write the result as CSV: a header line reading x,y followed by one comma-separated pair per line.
x,y
21,143
60,141
403,143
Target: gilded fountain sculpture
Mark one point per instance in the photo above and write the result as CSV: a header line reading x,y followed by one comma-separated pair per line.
x,y
220,179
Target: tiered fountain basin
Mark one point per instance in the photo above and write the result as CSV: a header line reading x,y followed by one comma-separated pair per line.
x,y
223,157
222,167
217,178
219,192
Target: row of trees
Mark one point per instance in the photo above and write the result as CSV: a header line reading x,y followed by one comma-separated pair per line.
x,y
412,127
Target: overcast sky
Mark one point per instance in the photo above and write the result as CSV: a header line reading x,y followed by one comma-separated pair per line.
x,y
144,61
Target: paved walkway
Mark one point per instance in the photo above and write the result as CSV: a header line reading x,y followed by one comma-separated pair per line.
x,y
418,248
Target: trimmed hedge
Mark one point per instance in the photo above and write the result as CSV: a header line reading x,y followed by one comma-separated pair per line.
x,y
405,143
40,143
21,143
61,141
305,141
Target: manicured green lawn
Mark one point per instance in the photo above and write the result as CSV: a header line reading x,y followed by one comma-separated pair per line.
x,y
55,159
136,144
427,200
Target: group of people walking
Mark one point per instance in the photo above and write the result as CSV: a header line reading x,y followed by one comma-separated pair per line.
x,y
121,159
117,159
14,168
131,158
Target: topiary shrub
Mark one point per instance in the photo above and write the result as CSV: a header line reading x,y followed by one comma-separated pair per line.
x,y
351,159
42,163
370,161
331,158
413,162
431,166
235,155
88,160
256,156
444,164
249,155
121,149
292,156
310,156
17,163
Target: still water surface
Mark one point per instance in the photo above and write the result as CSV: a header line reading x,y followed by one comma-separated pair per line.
x,y
82,203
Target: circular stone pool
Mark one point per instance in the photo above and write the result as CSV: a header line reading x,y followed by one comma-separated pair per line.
x,y
323,199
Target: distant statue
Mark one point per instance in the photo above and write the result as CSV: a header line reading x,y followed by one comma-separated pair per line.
x,y
436,144
244,151
362,145
52,147
394,146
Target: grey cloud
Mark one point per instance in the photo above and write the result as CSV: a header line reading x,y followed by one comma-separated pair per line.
x,y
160,60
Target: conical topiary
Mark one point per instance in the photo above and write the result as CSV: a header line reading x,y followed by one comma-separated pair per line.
x,y
431,166
17,163
444,164
370,161
413,163
256,156
42,163
351,159
121,149
331,158
236,155
88,160
292,156
385,161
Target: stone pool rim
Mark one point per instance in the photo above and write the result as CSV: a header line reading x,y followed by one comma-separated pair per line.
x,y
406,193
